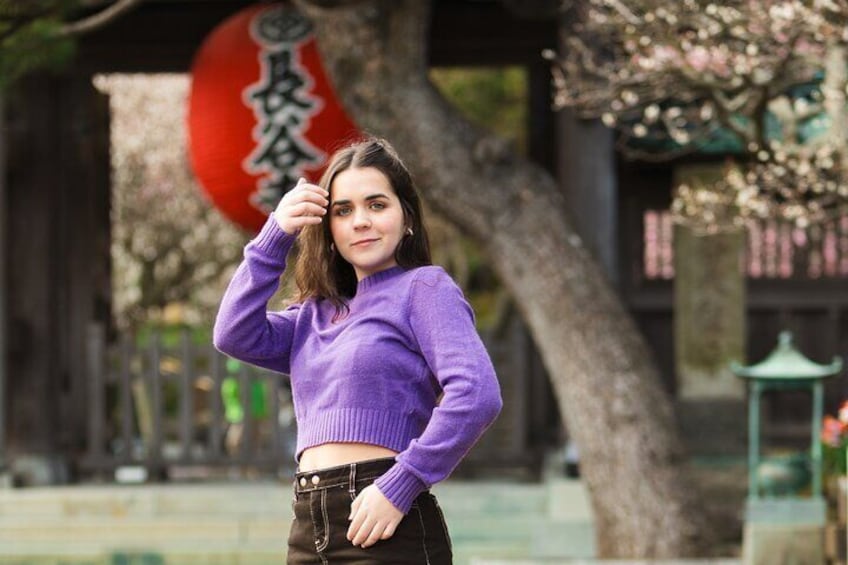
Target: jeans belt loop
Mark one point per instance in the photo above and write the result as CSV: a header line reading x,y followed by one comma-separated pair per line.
x,y
352,481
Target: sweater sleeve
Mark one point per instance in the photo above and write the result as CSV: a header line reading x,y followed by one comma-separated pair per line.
x,y
244,329
443,324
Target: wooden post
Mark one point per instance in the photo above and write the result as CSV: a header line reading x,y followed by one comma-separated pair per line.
x,y
96,412
3,292
274,414
186,391
56,237
245,382
126,389
217,369
587,175
154,455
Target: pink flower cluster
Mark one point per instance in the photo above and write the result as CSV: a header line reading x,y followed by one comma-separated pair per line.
x,y
835,430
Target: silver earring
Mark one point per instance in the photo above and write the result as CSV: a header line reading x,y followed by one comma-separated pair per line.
x,y
409,231
332,248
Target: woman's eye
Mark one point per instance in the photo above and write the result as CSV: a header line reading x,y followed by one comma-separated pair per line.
x,y
342,211
377,205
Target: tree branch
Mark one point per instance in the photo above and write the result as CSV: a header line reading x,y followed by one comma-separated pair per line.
x,y
330,4
99,19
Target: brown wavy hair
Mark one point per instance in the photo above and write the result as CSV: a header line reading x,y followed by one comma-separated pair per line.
x,y
320,271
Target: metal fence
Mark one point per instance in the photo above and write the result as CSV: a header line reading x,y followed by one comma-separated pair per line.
x,y
175,408
168,408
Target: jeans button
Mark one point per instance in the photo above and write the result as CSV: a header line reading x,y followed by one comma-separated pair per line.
x,y
303,481
315,479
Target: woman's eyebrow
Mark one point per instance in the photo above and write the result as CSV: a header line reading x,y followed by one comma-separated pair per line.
x,y
367,199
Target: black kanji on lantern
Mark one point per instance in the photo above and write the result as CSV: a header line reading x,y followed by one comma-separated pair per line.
x,y
283,106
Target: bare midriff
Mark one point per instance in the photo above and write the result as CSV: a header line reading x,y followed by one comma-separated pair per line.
x,y
334,454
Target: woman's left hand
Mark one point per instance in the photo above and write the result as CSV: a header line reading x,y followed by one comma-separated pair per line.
x,y
372,518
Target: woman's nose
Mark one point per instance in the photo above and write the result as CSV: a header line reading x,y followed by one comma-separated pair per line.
x,y
361,219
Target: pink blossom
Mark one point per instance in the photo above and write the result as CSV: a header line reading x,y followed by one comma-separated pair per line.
x,y
698,58
832,430
666,54
843,413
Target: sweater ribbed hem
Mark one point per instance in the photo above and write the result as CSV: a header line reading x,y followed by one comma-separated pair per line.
x,y
400,486
273,241
356,425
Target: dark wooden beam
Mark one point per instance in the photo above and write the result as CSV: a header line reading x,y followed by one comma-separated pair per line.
x,y
162,36
486,33
157,37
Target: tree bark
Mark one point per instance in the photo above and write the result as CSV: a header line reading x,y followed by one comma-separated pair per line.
x,y
606,383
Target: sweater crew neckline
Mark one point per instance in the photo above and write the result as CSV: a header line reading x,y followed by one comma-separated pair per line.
x,y
372,281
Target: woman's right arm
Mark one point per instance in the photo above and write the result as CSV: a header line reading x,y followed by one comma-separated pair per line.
x,y
244,329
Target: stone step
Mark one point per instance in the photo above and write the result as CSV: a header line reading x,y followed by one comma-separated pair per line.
x,y
185,555
488,537
585,561
110,500
480,498
236,530
249,523
94,550
133,530
462,497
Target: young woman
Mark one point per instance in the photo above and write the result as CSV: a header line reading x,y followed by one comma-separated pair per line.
x,y
391,383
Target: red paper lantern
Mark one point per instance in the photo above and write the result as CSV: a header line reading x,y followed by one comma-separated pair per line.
x,y
261,111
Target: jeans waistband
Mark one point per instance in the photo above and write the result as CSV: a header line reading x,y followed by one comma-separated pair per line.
x,y
342,475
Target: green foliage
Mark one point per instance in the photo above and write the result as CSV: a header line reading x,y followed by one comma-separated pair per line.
x,y
171,335
492,97
833,460
30,38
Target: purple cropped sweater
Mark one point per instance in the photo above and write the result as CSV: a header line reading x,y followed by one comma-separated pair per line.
x,y
376,374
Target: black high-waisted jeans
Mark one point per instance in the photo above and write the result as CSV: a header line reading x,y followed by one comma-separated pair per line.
x,y
322,502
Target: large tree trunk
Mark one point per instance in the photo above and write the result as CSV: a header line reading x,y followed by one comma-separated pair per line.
x,y
606,383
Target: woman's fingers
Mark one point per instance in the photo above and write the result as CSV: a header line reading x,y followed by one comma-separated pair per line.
x,y
389,531
357,531
304,204
372,517
368,533
374,535
308,209
306,192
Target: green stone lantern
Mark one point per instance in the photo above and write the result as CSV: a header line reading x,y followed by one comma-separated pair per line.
x,y
770,516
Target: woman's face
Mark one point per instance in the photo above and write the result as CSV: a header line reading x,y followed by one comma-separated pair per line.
x,y
366,220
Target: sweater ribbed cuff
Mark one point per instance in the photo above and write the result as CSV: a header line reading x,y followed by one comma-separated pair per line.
x,y
401,487
273,241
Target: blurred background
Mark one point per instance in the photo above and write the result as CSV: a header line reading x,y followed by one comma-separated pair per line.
x,y
632,196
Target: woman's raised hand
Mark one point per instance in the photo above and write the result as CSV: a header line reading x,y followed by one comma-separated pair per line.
x,y
305,204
